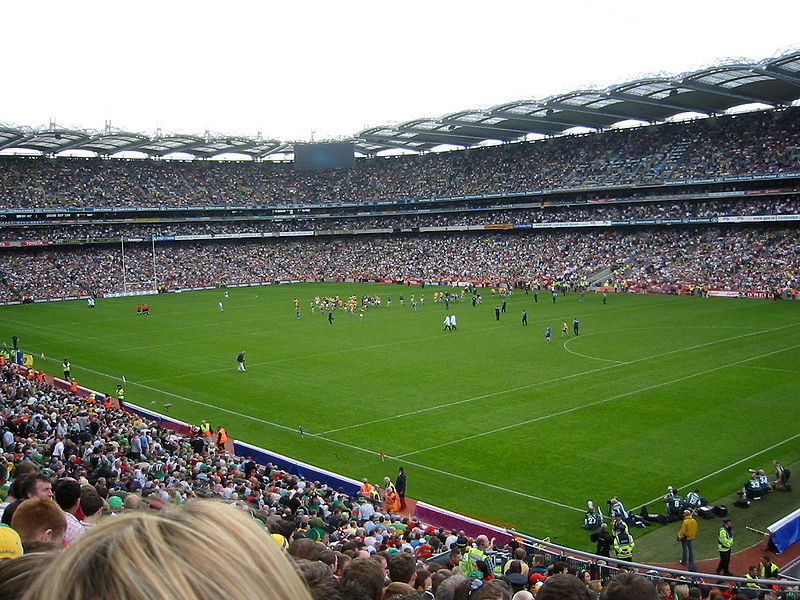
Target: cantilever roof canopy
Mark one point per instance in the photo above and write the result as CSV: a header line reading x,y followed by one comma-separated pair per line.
x,y
774,81
54,140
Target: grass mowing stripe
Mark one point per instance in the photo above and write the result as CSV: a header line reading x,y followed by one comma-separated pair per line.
x,y
549,381
595,403
353,447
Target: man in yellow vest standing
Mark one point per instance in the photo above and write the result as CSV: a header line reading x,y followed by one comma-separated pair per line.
x,y
205,432
724,545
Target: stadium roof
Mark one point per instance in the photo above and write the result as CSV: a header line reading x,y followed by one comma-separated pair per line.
x,y
773,81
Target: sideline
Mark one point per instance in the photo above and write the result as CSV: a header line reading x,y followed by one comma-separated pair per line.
x,y
725,468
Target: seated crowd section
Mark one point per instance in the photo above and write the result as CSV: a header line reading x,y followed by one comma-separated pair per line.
x,y
99,502
648,260
751,143
641,216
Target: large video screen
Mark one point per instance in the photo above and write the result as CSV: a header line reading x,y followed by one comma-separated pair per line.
x,y
330,155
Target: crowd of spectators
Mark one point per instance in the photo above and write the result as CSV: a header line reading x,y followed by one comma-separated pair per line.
x,y
662,260
745,144
95,497
455,218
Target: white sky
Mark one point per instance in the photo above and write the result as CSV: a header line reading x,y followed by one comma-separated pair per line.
x,y
286,68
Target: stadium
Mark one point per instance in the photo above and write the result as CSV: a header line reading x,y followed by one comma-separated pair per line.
x,y
625,303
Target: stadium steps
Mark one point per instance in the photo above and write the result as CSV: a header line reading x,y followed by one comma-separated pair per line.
x,y
675,157
598,278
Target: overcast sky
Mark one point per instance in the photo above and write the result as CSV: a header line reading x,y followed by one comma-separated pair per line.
x,y
287,68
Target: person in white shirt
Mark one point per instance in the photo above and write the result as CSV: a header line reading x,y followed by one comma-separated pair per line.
x,y
58,448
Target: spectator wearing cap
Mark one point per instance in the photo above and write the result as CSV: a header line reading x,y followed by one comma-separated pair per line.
x,y
10,543
116,504
249,467
518,581
724,545
423,551
374,524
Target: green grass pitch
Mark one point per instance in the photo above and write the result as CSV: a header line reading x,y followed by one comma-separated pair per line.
x,y
488,420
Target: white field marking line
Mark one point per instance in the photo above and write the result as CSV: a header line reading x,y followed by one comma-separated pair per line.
x,y
597,402
773,369
312,356
139,347
485,484
199,403
546,382
419,465
640,328
353,447
121,317
618,362
738,462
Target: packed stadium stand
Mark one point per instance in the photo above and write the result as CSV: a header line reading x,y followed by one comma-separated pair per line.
x,y
710,204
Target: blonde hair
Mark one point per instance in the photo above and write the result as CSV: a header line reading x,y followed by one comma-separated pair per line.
x,y
205,550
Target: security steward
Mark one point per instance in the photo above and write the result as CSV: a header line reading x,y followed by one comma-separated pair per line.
x,y
222,438
623,545
724,545
205,431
